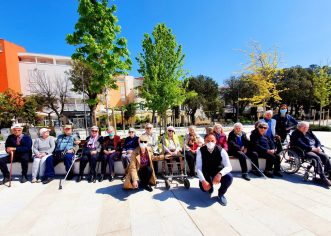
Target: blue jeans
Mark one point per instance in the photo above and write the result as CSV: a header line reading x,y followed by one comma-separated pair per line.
x,y
55,159
226,181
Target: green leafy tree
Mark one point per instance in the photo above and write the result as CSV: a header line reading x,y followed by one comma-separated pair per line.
x,y
130,111
263,72
322,87
161,64
207,96
98,46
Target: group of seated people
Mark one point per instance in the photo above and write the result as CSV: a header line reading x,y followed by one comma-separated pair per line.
x,y
206,158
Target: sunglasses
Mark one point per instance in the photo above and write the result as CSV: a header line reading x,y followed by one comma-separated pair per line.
x,y
143,141
94,131
131,132
149,128
263,128
170,131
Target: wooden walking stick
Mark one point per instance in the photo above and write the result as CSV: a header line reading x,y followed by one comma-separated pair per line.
x,y
11,167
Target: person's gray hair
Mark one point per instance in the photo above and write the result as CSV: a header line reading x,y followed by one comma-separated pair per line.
x,y
110,128
269,112
263,124
238,124
192,127
302,124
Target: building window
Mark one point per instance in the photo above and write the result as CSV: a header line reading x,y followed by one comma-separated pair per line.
x,y
123,98
122,89
1,48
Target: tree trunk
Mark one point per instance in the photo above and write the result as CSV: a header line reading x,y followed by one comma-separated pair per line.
x,y
153,118
319,123
164,117
123,124
93,115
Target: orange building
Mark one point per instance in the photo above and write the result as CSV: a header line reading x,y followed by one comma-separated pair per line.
x,y
9,66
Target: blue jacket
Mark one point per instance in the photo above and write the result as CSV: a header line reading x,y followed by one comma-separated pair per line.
x,y
283,123
261,143
25,143
302,141
131,143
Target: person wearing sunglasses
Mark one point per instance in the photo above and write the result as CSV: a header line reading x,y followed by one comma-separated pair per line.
x,y
152,142
265,148
141,171
130,144
90,154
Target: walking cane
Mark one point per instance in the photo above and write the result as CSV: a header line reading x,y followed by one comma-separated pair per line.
x,y
258,169
11,167
65,177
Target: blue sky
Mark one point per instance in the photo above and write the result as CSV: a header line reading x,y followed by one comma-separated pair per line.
x,y
212,33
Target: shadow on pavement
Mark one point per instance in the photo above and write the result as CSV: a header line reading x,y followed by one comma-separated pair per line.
x,y
116,191
193,197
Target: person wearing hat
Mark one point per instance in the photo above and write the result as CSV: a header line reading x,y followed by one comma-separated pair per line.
x,y
130,144
66,146
21,145
90,154
172,149
111,150
141,171
265,148
42,148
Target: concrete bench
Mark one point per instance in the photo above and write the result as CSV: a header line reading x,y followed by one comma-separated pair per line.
x,y
60,169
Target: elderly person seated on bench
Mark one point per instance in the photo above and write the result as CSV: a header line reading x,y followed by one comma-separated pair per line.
x,y
43,147
130,144
153,143
90,154
172,149
20,144
220,136
66,146
304,139
141,172
111,150
265,147
239,148
192,141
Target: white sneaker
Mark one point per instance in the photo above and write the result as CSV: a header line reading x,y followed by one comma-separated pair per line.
x,y
34,180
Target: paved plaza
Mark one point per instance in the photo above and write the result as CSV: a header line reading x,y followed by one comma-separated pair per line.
x,y
285,206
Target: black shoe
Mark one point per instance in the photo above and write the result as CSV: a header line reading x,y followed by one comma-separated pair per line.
x,y
268,174
245,177
123,178
110,178
90,179
79,178
23,179
278,174
101,178
47,180
256,173
94,179
70,175
148,188
4,181
326,181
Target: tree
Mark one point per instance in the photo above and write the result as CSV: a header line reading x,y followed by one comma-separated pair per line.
x,y
322,87
98,46
263,72
207,96
161,64
129,111
52,91
234,90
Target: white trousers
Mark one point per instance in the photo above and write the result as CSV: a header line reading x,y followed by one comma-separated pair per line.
x,y
38,166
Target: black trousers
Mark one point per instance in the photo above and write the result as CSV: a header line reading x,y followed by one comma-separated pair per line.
x,y
190,159
145,174
321,159
87,157
272,161
18,157
242,160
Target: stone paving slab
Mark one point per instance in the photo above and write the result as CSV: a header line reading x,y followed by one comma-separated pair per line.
x,y
260,207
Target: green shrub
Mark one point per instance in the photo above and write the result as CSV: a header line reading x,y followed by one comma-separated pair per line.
x,y
320,128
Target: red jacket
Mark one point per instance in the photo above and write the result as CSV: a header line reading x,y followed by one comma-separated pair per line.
x,y
221,141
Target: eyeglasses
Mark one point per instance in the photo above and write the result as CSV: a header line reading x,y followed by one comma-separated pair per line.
x,y
143,141
263,128
148,127
131,131
170,131
94,131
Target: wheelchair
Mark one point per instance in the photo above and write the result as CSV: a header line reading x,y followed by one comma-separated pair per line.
x,y
293,159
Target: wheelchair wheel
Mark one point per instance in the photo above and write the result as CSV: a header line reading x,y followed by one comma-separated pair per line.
x,y
290,162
